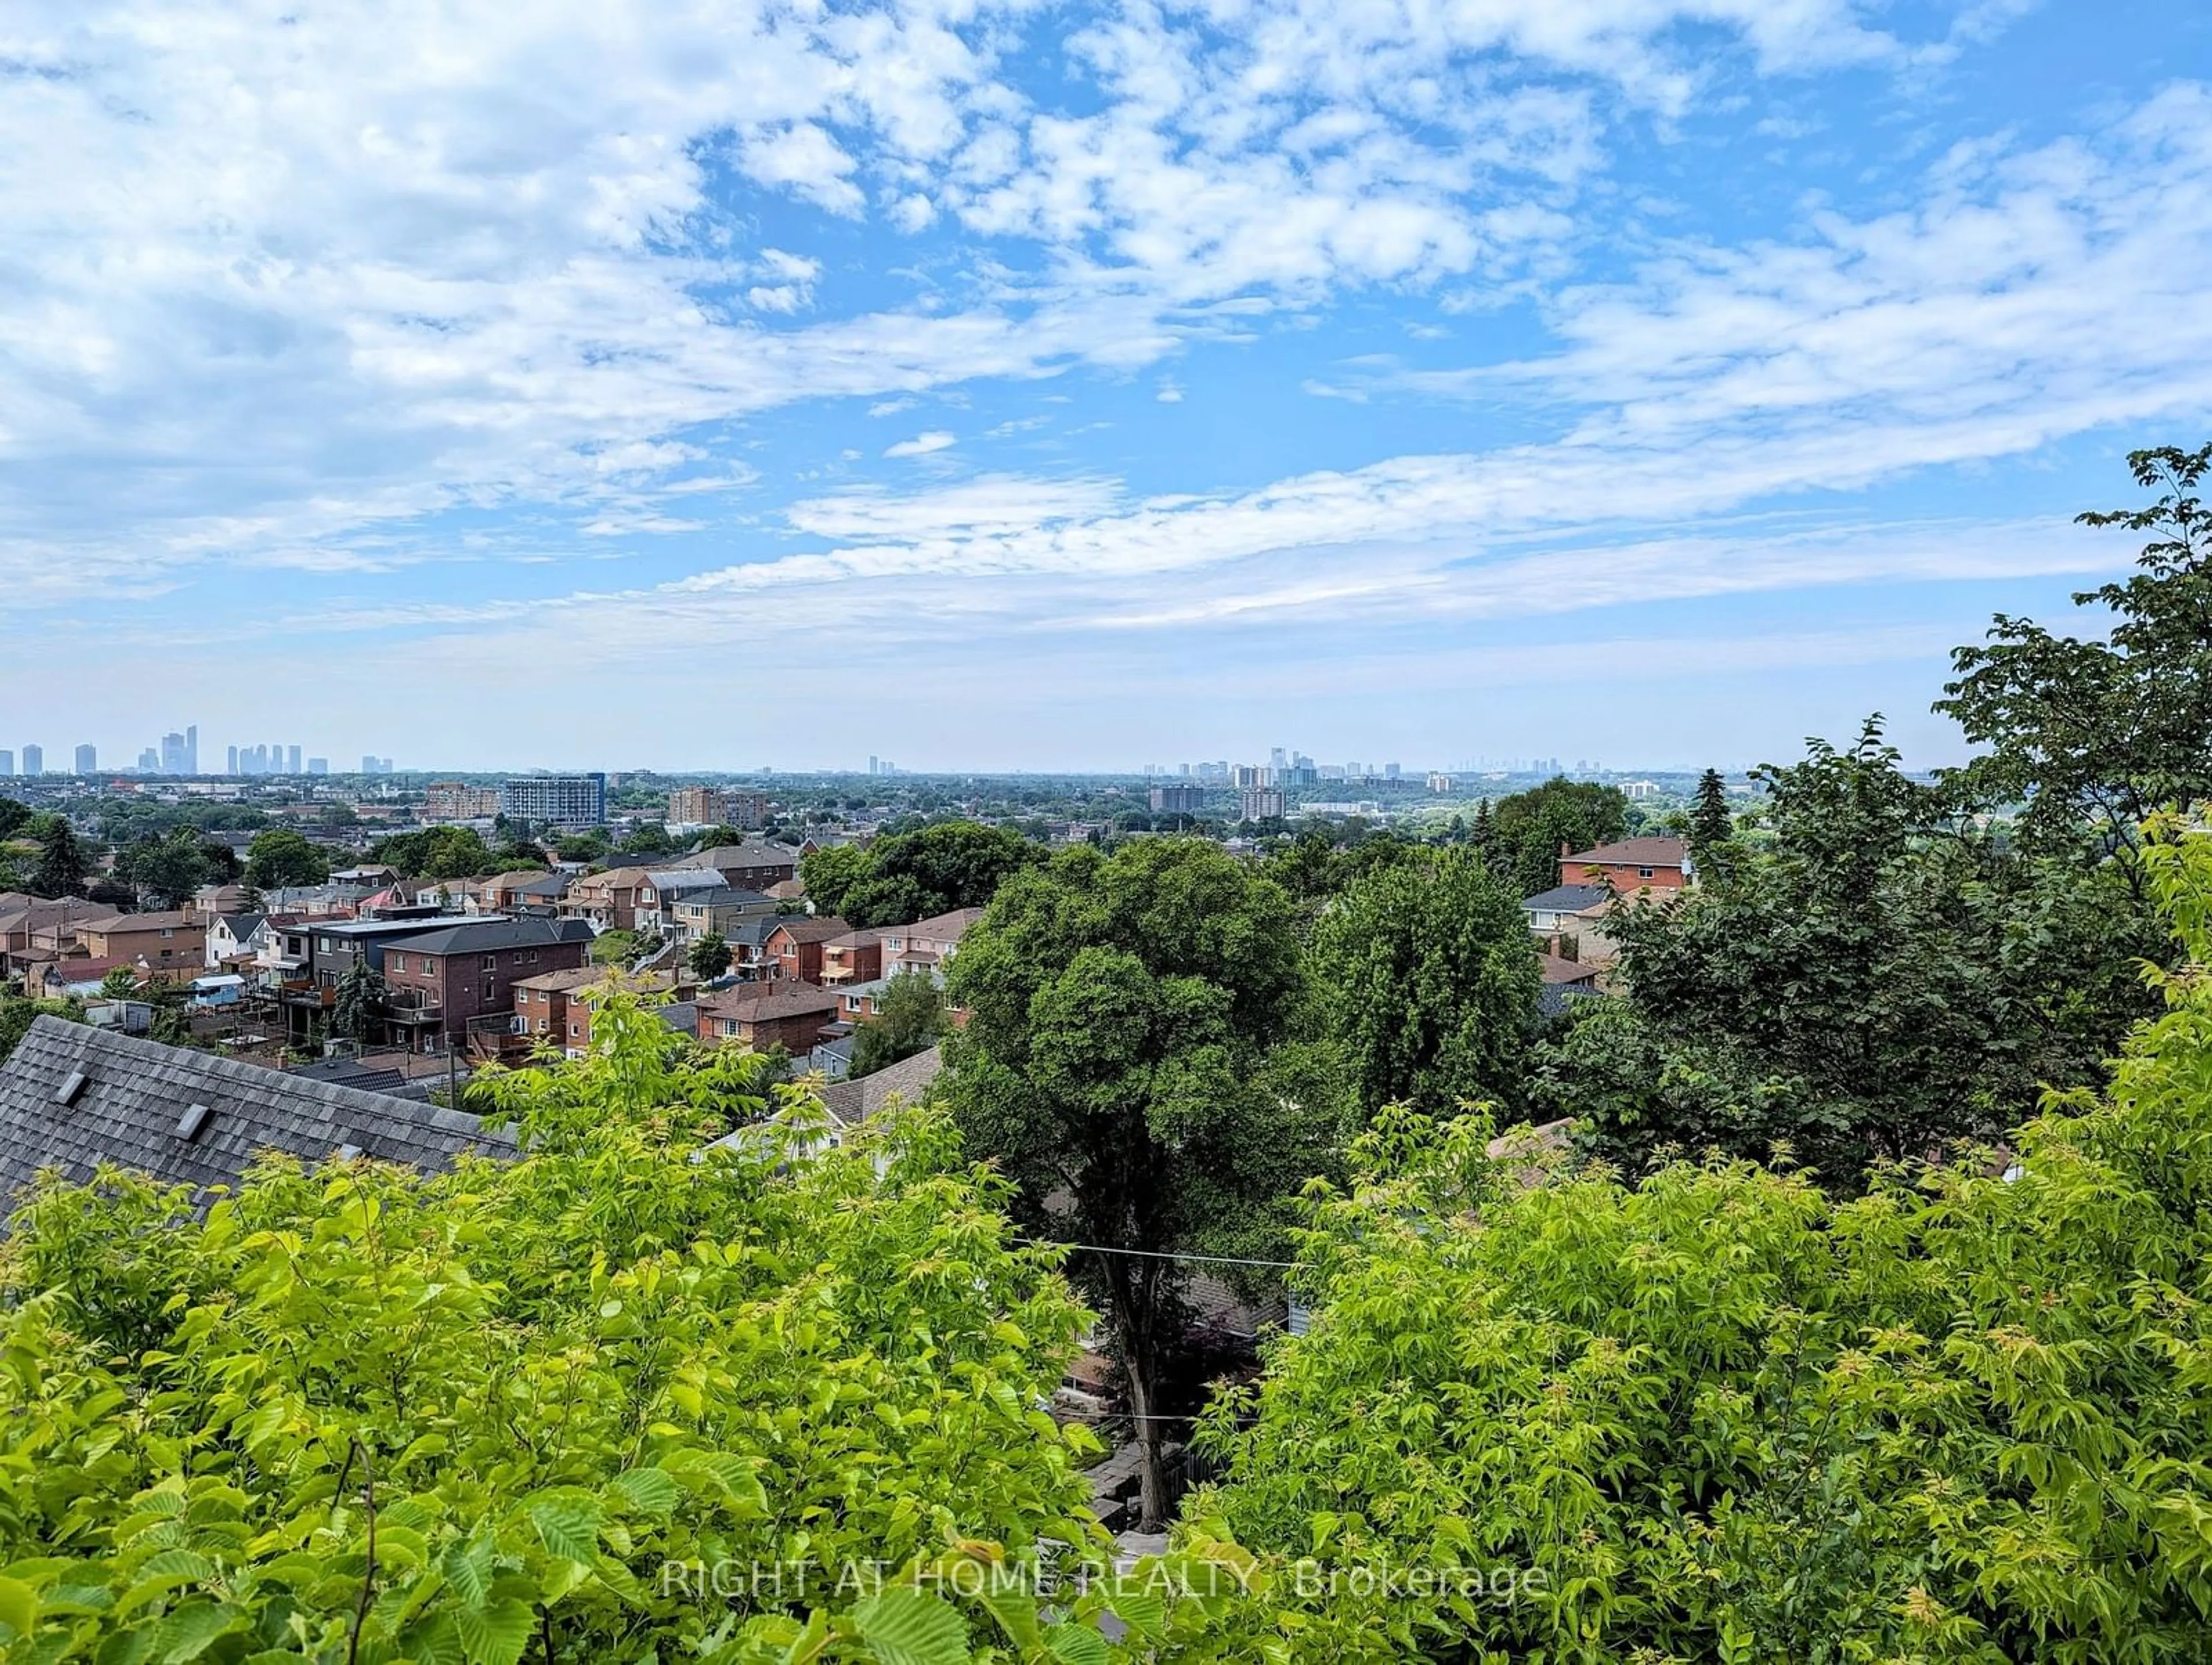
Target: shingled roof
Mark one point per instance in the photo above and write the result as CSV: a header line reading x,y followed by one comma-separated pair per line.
x,y
137,1098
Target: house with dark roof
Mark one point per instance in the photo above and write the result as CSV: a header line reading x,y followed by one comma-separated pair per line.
x,y
73,1097
461,973
719,910
754,865
927,944
1565,981
232,936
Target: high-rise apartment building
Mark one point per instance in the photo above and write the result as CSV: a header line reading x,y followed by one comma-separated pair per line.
x,y
87,761
34,762
319,766
697,806
149,762
172,754
231,766
1178,800
7,764
555,800
1260,803
457,800
291,760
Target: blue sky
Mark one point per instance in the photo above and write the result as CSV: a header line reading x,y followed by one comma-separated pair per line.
x,y
700,386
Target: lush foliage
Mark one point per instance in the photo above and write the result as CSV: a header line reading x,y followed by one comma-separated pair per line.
x,y
567,1404
1880,981
1130,1051
281,858
1431,987
1527,829
2102,732
164,871
910,1019
915,875
17,1014
709,956
435,852
1723,1417
62,862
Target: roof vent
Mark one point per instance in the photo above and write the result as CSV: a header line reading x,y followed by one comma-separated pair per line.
x,y
349,1152
190,1123
72,1088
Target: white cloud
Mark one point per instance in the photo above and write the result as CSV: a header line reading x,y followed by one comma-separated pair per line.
x,y
277,279
922,445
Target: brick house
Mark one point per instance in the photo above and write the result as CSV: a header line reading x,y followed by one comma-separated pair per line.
x,y
791,1015
795,946
722,911
855,957
752,865
1632,864
926,945
442,980
554,1008
609,900
166,942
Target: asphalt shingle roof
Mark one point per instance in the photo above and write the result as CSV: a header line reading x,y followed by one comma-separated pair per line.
x,y
135,1092
492,932
1566,898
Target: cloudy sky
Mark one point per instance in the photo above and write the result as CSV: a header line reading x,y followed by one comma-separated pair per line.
x,y
697,385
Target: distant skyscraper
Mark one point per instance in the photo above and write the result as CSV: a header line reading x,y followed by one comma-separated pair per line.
x,y
87,761
319,766
872,767
7,764
173,753
291,760
149,762
34,762
367,763
231,767
192,748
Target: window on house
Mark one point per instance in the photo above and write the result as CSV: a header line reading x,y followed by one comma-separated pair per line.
x,y
398,963
1643,872
491,962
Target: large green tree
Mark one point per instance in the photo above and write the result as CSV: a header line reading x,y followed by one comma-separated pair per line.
x,y
15,816
1130,1060
61,863
2092,735
1431,983
910,1019
281,858
1882,979
1530,827
914,875
1717,1415
435,852
166,871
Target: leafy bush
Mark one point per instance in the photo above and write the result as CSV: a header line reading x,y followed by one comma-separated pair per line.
x,y
1719,1415
358,1414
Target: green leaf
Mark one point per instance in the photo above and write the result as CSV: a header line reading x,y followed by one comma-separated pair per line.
x,y
648,1491
903,1626
494,1635
19,1605
569,1526
468,1568
1078,1644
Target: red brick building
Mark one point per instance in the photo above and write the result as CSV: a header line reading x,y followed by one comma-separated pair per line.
x,y
796,944
1632,865
855,957
791,1015
442,979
